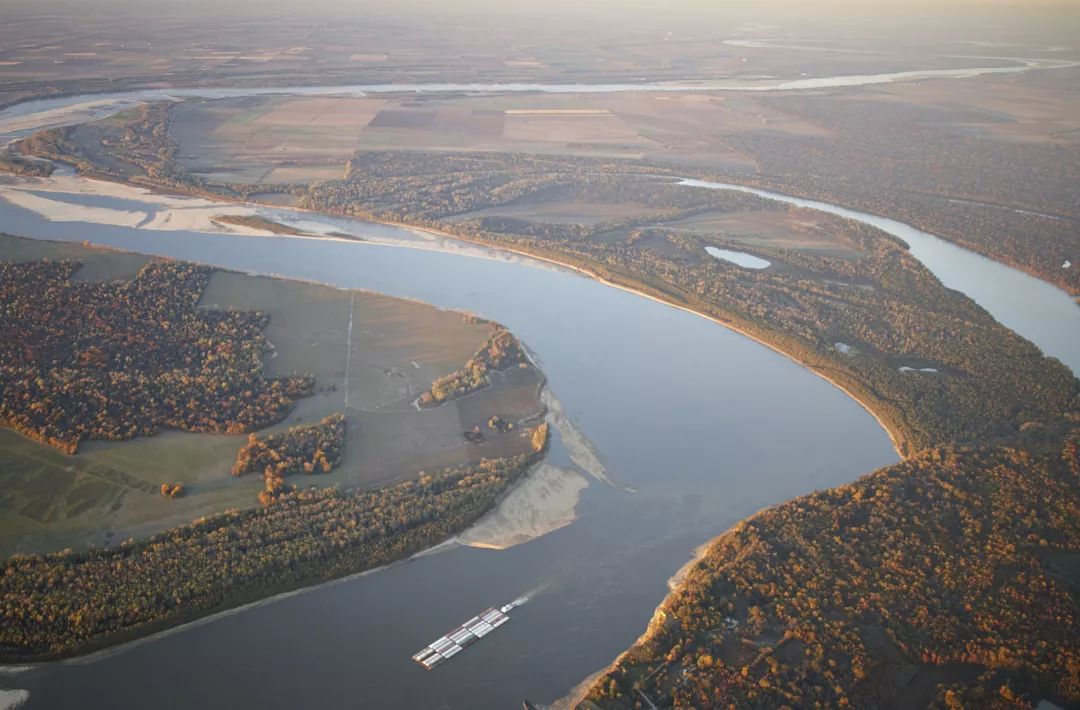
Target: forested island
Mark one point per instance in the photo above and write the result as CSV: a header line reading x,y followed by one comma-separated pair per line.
x,y
257,222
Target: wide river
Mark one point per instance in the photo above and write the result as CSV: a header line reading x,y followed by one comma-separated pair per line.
x,y
698,426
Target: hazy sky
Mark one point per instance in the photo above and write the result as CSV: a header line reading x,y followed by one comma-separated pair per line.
x,y
933,17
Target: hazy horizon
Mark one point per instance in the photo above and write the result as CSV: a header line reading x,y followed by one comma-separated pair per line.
x,y
914,22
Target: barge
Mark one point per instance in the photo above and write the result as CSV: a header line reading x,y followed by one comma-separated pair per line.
x,y
455,640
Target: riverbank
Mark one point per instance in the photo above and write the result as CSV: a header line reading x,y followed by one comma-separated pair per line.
x,y
783,579
411,344
669,572
895,428
892,419
338,561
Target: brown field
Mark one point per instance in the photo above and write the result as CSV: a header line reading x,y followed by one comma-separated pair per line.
x,y
270,140
587,213
403,118
1000,108
800,230
461,120
109,490
568,126
278,140
344,113
304,173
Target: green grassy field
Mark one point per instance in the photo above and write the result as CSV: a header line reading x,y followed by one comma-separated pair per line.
x,y
110,491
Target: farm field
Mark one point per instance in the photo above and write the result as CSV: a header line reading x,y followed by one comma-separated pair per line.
x,y
568,212
1009,201
270,140
257,133
110,491
799,230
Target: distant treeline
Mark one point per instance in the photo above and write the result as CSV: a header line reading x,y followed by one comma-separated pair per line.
x,y
1013,200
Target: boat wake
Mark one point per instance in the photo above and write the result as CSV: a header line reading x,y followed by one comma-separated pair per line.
x,y
10,699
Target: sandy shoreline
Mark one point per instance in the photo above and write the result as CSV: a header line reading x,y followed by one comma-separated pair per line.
x,y
548,497
544,502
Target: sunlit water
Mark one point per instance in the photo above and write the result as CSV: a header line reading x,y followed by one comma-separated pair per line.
x,y
747,261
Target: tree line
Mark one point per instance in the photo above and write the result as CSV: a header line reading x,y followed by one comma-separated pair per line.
x,y
67,602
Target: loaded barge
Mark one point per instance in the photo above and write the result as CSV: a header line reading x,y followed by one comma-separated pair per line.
x,y
455,640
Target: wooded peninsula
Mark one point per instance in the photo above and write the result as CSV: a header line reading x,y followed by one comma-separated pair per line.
x,y
118,359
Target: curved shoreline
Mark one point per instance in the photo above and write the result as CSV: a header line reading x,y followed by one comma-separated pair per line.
x,y
783,192
497,252
105,650
895,436
123,640
126,640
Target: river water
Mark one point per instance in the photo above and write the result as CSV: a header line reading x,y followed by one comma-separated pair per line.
x,y
698,426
